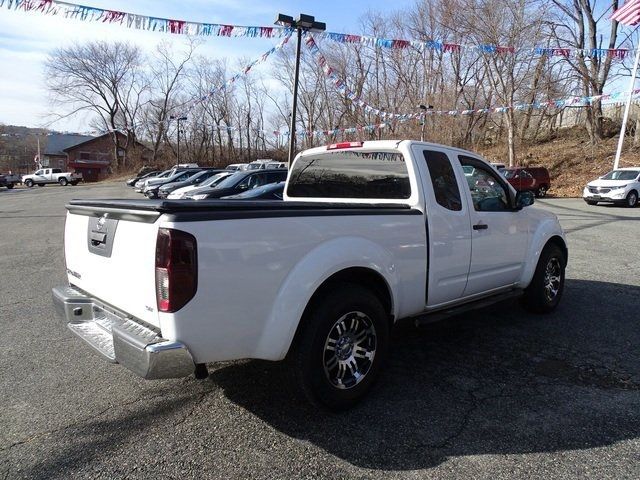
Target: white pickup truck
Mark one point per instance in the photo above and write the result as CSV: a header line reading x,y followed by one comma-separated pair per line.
x,y
369,234
51,175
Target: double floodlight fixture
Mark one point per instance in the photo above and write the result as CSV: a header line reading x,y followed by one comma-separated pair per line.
x,y
425,107
303,22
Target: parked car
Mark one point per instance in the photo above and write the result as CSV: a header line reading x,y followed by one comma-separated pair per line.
x,y
139,185
271,165
210,182
272,191
132,181
144,183
195,180
528,179
152,187
9,180
620,186
46,176
238,183
237,166
498,165
368,234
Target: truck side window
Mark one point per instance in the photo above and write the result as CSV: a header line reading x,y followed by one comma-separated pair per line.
x,y
487,192
443,178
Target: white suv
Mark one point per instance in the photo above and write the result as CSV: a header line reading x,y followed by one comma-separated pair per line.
x,y
620,186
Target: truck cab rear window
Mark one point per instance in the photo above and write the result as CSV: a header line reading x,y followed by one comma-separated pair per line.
x,y
350,174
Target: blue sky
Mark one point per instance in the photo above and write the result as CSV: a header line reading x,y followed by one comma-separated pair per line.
x,y
26,39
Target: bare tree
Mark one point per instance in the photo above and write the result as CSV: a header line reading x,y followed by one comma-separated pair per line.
x,y
581,26
103,78
168,70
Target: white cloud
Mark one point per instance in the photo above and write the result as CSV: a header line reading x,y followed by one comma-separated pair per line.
x,y
27,38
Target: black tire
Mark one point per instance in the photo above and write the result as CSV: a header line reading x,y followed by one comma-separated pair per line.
x,y
63,181
543,293
591,202
73,184
28,182
541,191
311,354
632,199
10,186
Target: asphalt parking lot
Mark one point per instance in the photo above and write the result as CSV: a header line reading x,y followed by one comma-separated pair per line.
x,y
498,393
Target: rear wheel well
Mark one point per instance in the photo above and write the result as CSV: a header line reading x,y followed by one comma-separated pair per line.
x,y
364,277
361,276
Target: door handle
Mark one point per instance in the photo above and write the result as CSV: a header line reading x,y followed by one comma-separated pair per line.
x,y
480,226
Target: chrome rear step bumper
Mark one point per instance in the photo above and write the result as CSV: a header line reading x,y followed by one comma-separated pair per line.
x,y
120,338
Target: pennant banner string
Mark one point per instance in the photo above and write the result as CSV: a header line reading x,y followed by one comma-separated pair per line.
x,y
245,71
142,22
184,27
344,90
579,102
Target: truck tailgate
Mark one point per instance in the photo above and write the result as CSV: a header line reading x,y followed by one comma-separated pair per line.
x,y
113,259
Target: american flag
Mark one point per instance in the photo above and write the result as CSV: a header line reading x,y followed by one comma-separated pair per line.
x,y
629,14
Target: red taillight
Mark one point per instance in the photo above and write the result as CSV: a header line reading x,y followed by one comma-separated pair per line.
x,y
176,269
338,146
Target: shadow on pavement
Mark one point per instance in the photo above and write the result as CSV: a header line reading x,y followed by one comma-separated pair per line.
x,y
91,441
498,381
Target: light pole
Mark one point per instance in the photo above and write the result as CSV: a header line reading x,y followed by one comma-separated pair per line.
x,y
178,119
381,119
423,121
302,23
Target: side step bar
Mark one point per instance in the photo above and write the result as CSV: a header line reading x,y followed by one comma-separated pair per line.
x,y
438,315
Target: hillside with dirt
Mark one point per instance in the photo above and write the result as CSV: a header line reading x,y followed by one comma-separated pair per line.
x,y
571,159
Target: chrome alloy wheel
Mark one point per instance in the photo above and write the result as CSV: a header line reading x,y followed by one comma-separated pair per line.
x,y
349,350
552,278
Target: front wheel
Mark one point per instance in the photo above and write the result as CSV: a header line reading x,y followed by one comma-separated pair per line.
x,y
341,346
9,186
632,199
63,181
545,290
28,183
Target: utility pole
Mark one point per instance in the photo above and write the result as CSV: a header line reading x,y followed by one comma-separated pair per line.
x,y
302,23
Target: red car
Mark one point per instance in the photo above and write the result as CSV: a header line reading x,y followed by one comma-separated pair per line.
x,y
532,179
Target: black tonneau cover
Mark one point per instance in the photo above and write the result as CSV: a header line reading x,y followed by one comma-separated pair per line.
x,y
197,210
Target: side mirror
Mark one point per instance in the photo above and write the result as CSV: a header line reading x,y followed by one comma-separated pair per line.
x,y
524,199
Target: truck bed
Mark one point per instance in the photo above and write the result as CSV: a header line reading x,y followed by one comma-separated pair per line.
x,y
274,253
